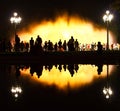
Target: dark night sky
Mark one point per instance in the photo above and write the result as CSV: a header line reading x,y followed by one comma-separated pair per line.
x,y
34,10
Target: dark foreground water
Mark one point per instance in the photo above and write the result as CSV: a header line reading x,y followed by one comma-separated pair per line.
x,y
59,87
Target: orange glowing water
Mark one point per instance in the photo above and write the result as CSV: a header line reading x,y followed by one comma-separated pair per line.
x,y
86,75
63,27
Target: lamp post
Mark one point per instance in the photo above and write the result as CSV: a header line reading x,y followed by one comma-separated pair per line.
x,y
107,91
107,18
15,19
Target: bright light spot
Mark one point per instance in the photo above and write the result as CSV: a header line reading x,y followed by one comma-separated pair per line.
x,y
16,95
16,91
15,14
107,91
104,91
108,16
110,91
107,96
20,90
13,90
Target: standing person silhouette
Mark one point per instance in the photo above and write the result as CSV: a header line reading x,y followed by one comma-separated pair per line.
x,y
17,43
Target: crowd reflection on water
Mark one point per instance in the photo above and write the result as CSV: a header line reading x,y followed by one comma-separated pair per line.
x,y
61,75
36,68
64,75
72,68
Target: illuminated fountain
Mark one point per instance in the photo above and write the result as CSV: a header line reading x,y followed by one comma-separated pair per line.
x,y
83,30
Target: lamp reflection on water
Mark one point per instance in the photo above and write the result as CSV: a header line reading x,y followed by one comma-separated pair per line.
x,y
107,91
16,90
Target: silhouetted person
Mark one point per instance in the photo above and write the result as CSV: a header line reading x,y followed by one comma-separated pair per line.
x,y
37,48
71,44
22,46
27,46
64,45
60,67
31,42
17,43
39,70
38,45
76,45
60,44
99,70
71,69
39,40
32,69
55,46
31,72
45,46
64,67
99,47
36,68
46,67
56,66
50,46
76,67
50,67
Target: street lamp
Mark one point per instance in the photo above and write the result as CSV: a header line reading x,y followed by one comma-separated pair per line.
x,y
15,19
107,91
107,18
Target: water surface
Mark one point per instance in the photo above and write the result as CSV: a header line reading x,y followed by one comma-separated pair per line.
x,y
59,87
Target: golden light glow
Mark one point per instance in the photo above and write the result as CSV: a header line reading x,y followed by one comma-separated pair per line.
x,y
63,27
87,74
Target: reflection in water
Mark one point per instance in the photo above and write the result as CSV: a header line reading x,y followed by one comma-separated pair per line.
x,y
36,68
99,70
16,89
107,91
56,87
65,76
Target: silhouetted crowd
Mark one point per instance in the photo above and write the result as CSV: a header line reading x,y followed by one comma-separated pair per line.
x,y
36,46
